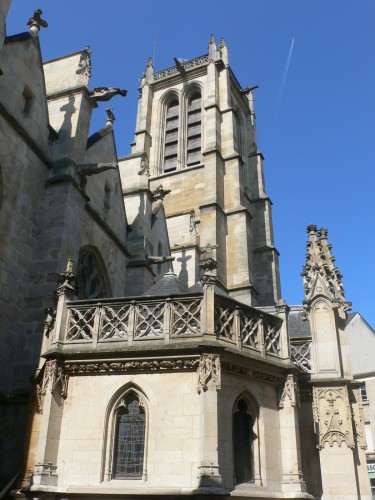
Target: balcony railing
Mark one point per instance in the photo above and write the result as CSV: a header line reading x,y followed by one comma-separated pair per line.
x,y
93,325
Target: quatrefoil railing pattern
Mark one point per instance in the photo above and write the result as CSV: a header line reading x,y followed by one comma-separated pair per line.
x,y
186,317
168,320
300,352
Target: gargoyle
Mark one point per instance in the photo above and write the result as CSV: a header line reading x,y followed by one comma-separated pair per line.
x,y
105,93
94,168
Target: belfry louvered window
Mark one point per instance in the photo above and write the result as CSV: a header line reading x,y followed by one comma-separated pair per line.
x,y
171,136
130,425
194,130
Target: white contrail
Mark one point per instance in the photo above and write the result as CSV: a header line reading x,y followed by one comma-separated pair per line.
x,y
283,81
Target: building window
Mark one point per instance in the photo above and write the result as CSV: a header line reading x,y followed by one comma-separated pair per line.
x,y
171,136
372,482
194,130
243,442
129,445
364,393
92,277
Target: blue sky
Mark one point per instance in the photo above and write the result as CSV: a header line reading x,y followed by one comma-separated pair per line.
x,y
318,142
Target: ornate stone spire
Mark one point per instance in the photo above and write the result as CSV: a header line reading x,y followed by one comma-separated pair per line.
x,y
223,48
36,22
320,275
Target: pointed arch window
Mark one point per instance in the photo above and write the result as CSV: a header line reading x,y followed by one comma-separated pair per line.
x,y
243,443
129,444
92,276
171,135
194,129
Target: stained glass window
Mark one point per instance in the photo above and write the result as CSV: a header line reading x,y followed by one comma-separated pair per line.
x,y
129,439
242,443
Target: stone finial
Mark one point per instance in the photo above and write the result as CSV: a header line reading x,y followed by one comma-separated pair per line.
x,y
212,48
150,64
110,118
67,280
222,43
36,22
223,48
320,275
148,74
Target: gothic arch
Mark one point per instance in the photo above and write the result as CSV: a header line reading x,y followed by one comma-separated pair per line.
x,y
246,440
189,137
166,102
117,407
92,276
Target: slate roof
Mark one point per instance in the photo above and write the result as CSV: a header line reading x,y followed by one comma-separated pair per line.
x,y
198,288
169,284
298,327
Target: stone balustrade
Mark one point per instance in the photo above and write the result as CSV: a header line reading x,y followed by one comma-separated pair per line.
x,y
91,325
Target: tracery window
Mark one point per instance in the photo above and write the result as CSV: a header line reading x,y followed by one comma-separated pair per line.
x,y
243,443
194,129
92,278
129,445
171,136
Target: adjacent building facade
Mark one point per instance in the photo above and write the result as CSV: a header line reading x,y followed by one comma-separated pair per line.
x,y
142,295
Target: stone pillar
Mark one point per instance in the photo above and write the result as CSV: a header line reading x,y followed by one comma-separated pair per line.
x,y
209,375
334,429
292,481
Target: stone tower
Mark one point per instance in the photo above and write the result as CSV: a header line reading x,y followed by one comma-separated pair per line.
x,y
195,135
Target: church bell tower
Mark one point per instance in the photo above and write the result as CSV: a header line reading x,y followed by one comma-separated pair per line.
x,y
195,136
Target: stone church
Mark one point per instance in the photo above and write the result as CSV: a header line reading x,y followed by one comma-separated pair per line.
x,y
141,297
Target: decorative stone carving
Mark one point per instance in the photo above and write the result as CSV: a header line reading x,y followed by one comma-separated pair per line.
x,y
320,275
332,417
358,417
49,321
142,365
104,94
84,65
53,375
185,66
209,372
36,22
186,318
253,374
193,223
207,262
272,338
289,392
159,193
225,322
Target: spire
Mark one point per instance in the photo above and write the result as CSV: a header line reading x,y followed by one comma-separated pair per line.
x,y
320,275
223,51
36,22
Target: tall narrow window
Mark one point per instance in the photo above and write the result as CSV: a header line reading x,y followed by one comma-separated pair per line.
x,y
242,443
171,136
194,126
130,424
